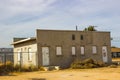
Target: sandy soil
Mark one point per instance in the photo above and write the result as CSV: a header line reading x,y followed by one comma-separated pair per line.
x,y
77,74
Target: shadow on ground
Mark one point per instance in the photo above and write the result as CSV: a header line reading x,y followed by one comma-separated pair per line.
x,y
8,75
37,79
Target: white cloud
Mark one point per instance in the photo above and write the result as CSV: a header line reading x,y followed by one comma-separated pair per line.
x,y
93,7
13,8
20,18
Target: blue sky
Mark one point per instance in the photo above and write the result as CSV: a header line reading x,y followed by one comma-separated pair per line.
x,y
20,18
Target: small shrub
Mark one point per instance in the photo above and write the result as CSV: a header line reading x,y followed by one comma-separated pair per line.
x,y
17,68
114,63
6,68
2,70
101,64
33,68
9,66
25,68
41,68
113,66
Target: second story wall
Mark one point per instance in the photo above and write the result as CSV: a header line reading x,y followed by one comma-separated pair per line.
x,y
72,37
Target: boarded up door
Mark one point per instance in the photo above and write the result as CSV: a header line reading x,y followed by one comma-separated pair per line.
x,y
104,54
45,56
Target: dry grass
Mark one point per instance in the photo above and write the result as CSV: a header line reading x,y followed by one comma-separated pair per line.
x,y
69,74
115,59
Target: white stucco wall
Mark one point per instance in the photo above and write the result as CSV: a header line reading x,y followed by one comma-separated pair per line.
x,y
24,55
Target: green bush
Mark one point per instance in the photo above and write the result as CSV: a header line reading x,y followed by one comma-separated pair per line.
x,y
88,63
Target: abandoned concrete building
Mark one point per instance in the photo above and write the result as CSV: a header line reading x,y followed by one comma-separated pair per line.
x,y
62,47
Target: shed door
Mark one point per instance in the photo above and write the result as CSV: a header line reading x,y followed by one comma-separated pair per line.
x,y
104,54
45,56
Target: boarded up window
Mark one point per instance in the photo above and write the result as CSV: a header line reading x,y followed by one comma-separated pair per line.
x,y
58,51
29,54
18,55
73,50
94,49
82,50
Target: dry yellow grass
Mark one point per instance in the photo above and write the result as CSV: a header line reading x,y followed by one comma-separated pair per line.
x,y
69,74
115,59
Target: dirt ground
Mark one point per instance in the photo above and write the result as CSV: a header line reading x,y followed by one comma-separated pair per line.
x,y
69,74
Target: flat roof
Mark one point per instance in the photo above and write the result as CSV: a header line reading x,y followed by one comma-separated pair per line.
x,y
24,40
71,30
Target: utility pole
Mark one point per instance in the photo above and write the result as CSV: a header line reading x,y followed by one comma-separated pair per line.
x,y
76,28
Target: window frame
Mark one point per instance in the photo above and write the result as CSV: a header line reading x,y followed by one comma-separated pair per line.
x,y
81,37
73,50
18,55
73,36
29,54
58,50
82,50
94,49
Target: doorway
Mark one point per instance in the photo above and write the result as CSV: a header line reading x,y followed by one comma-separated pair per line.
x,y
45,56
104,54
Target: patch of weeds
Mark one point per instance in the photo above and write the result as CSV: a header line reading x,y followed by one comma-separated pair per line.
x,y
113,66
88,63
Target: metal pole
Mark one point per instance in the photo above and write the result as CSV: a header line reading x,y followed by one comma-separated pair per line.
x,y
5,59
76,28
